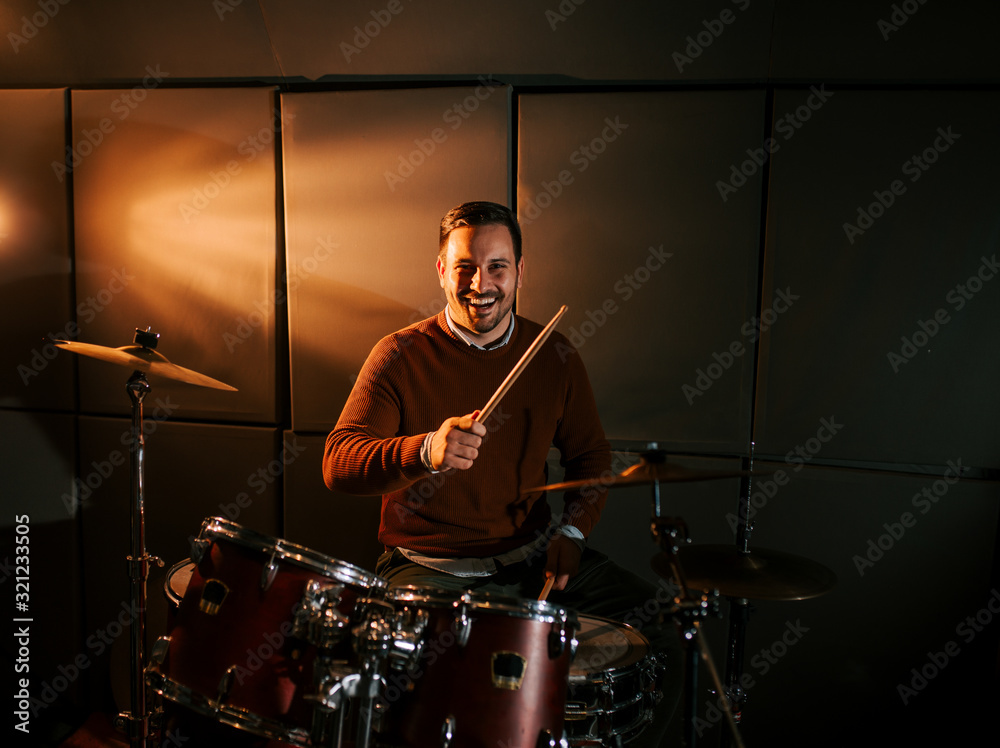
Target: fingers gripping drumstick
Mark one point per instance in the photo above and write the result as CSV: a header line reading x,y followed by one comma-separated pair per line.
x,y
519,367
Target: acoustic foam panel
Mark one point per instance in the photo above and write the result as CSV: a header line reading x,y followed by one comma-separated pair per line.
x,y
368,176
908,40
338,525
882,224
63,43
624,222
174,200
34,252
563,42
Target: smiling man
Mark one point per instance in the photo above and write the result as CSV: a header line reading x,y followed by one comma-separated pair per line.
x,y
455,511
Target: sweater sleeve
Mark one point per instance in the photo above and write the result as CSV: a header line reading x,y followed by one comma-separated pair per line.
x,y
584,451
364,453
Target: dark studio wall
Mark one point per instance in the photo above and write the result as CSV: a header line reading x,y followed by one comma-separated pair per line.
x,y
774,225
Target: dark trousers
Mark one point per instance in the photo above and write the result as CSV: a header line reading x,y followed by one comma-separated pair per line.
x,y
600,588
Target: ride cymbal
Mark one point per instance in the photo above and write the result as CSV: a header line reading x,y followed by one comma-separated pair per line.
x,y
146,360
644,473
759,575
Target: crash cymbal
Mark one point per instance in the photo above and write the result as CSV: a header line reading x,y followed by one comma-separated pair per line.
x,y
144,359
760,575
644,473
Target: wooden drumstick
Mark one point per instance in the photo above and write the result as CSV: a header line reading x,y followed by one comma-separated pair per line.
x,y
548,582
519,367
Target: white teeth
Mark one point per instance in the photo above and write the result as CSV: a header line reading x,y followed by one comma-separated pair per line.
x,y
481,302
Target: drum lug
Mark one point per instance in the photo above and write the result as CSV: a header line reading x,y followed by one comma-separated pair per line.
x,y
225,684
269,572
547,740
158,652
462,623
448,731
198,549
559,639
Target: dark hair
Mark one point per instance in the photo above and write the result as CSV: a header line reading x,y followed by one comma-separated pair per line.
x,y
480,213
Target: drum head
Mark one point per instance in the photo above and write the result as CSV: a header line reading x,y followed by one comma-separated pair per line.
x,y
178,579
606,645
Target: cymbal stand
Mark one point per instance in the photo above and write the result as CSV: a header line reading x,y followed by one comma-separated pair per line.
x,y
739,609
138,723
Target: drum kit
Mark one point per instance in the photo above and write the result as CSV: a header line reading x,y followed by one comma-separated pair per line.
x,y
272,643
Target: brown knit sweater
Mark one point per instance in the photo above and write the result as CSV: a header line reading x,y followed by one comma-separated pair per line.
x,y
416,378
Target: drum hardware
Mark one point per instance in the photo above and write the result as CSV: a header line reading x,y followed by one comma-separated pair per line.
x,y
448,731
614,684
273,661
142,358
269,572
213,596
318,619
689,611
225,685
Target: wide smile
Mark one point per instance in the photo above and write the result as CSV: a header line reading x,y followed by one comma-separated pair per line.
x,y
481,305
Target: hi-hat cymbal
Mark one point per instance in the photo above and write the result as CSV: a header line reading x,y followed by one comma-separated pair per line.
x,y
644,473
143,359
760,575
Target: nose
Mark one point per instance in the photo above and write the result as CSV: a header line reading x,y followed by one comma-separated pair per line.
x,y
477,281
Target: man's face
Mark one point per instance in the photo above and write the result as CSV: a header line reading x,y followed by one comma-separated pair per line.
x,y
479,278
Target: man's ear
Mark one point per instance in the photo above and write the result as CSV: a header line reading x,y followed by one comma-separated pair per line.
x,y
440,268
520,271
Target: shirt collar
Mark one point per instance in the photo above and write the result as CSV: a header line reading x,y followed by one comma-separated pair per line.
x,y
495,344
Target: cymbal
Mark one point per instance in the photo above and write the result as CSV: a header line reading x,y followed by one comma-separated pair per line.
x,y
760,575
141,358
643,473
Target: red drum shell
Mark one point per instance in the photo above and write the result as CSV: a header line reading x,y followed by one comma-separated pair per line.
x,y
250,631
465,683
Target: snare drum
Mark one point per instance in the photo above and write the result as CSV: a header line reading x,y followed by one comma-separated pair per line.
x,y
486,670
256,628
613,684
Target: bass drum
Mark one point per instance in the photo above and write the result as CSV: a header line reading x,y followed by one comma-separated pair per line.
x,y
613,684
